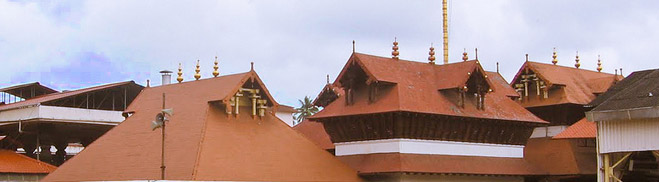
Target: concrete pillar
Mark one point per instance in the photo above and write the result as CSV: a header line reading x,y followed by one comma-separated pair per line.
x,y
60,155
45,154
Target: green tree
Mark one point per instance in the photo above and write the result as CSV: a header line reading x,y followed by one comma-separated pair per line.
x,y
305,110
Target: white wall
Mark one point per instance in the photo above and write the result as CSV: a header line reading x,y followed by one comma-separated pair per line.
x,y
65,114
415,146
287,117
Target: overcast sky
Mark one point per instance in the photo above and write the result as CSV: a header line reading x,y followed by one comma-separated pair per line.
x,y
294,44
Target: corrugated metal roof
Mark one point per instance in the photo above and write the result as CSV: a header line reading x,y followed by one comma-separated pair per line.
x,y
60,95
639,90
25,91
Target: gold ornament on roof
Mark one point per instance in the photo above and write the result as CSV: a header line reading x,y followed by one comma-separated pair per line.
x,y
577,64
180,73
431,58
215,67
599,64
395,52
197,70
554,56
464,55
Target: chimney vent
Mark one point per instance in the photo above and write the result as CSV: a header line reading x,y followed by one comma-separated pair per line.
x,y
166,77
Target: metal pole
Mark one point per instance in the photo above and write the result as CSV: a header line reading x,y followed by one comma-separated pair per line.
x,y
162,164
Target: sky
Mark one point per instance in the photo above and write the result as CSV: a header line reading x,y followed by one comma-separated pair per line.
x,y
294,44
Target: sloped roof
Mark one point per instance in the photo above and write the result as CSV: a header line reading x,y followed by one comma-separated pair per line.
x,y
61,95
11,162
315,132
26,90
581,129
501,85
640,89
560,157
203,142
580,86
329,93
442,164
416,88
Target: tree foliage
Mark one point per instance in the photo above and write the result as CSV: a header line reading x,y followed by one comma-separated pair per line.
x,y
305,110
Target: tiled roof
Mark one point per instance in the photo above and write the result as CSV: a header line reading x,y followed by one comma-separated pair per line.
x,y
581,129
315,132
11,162
203,142
560,157
416,88
60,95
579,86
438,164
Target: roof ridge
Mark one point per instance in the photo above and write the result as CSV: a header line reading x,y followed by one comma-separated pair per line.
x,y
573,68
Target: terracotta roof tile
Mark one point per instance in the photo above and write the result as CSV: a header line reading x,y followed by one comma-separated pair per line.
x,y
416,89
315,132
11,162
560,157
438,164
579,86
581,129
202,142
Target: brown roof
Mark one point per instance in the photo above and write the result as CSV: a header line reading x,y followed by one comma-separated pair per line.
x,y
61,95
581,129
416,88
579,86
26,90
560,157
285,108
443,164
501,85
203,142
11,162
639,90
329,93
315,131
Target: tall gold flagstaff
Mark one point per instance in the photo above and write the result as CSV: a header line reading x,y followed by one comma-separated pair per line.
x,y
445,16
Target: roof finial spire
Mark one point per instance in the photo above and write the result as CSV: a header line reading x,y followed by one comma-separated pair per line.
x,y
599,64
395,52
497,67
251,66
353,46
431,58
527,57
577,64
621,72
464,55
215,67
554,56
180,73
148,83
476,50
197,70
616,72
328,79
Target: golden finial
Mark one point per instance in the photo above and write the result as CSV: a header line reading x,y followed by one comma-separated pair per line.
x,y
395,52
431,58
599,64
464,55
554,56
577,64
445,29
215,67
180,73
197,75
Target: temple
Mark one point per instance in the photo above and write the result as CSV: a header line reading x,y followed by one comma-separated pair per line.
x,y
221,129
398,120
